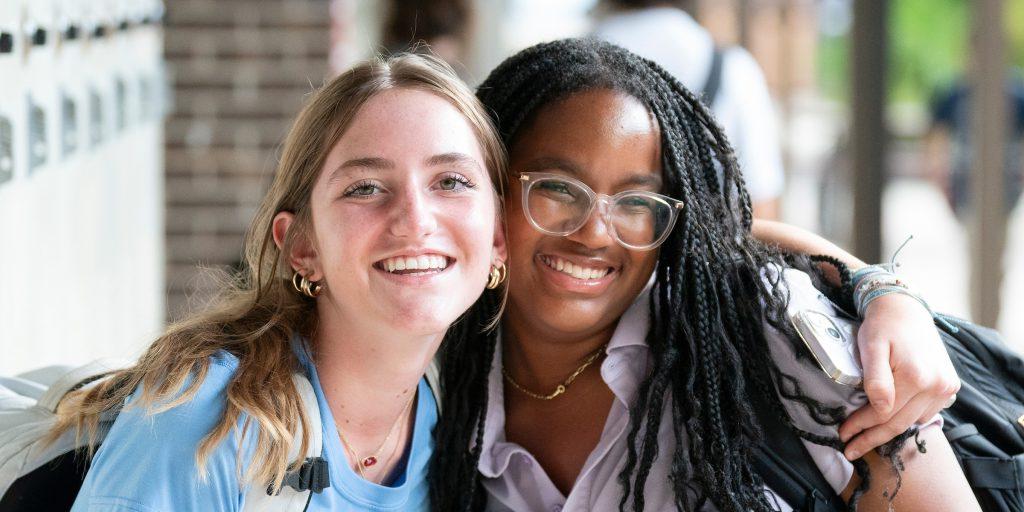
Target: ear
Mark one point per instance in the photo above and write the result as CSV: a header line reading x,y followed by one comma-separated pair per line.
x,y
500,252
302,256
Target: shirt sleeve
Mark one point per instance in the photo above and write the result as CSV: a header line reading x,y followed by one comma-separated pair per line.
x,y
816,384
147,462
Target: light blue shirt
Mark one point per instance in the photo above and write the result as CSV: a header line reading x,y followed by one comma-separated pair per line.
x,y
147,463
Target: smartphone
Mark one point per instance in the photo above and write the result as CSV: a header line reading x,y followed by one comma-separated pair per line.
x,y
832,340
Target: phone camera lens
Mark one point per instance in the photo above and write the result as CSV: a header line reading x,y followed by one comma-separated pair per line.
x,y
832,331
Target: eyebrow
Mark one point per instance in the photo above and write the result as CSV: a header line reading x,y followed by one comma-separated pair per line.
x,y
550,162
452,158
383,164
360,163
639,179
642,180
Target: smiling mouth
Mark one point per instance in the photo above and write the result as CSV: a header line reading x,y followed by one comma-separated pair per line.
x,y
577,271
423,264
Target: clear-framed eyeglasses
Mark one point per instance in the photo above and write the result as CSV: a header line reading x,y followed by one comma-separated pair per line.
x,y
559,205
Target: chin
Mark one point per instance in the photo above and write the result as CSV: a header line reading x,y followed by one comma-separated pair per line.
x,y
560,317
424,320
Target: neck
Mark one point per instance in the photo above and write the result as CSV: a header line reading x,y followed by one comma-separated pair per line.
x,y
368,372
540,358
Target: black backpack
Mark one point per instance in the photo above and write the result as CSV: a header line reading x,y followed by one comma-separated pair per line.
x,y
985,427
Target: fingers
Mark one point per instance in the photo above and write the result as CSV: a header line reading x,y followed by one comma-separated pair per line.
x,y
876,436
942,392
862,419
878,378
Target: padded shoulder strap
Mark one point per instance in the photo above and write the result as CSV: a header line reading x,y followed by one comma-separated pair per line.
x,y
77,378
313,476
786,467
714,80
433,375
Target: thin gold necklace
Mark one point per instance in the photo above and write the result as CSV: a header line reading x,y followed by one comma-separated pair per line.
x,y
561,387
372,459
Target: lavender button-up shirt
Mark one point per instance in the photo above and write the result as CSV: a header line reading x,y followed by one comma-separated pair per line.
x,y
515,481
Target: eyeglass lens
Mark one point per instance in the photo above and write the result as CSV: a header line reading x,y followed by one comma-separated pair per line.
x,y
561,207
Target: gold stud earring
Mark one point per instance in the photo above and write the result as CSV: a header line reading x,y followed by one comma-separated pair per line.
x,y
306,287
497,275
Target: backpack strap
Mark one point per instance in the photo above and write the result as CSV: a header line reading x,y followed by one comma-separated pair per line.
x,y
714,81
995,473
787,469
312,476
433,375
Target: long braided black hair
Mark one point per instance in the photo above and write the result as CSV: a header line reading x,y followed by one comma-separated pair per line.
x,y
708,308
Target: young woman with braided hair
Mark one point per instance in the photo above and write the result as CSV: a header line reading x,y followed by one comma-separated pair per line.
x,y
606,152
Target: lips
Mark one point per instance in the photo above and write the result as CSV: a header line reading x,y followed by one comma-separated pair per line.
x,y
576,270
420,264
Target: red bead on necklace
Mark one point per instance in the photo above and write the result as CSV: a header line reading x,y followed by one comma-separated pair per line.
x,y
369,461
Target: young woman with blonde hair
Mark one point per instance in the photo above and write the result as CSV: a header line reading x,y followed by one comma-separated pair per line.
x,y
378,232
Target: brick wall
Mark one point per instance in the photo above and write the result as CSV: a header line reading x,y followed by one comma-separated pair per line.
x,y
240,71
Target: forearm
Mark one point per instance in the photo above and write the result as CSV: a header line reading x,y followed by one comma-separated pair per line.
x,y
796,240
930,481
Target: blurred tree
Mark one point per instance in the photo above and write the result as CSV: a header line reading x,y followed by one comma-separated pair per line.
x,y
927,48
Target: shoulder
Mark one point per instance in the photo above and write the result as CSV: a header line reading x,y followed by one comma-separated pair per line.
x,y
148,459
739,64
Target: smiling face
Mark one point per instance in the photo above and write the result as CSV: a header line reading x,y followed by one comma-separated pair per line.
x,y
403,216
579,285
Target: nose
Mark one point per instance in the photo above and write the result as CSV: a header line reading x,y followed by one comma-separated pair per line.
x,y
413,214
596,233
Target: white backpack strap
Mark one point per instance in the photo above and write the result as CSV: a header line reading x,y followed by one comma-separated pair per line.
x,y
78,377
433,375
312,476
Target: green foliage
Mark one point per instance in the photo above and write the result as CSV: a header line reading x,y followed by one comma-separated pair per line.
x,y
928,46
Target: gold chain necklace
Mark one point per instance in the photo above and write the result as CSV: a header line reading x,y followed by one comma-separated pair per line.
x,y
561,387
372,459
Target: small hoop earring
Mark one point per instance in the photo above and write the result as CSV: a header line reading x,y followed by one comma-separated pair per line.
x,y
306,287
497,275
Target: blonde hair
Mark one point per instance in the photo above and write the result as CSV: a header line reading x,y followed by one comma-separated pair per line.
x,y
258,311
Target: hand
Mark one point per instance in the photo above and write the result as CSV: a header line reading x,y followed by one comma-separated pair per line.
x,y
908,376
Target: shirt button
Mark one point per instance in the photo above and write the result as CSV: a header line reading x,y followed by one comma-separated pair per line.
x,y
556,508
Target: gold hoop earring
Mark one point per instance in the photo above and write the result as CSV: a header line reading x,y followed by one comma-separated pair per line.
x,y
497,275
306,287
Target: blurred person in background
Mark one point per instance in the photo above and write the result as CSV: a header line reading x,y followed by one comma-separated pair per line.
x,y
378,232
732,82
949,143
948,153
441,24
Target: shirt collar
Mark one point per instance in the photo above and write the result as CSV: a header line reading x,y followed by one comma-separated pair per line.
x,y
631,331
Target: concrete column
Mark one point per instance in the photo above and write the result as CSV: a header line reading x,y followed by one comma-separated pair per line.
x,y
987,223
868,134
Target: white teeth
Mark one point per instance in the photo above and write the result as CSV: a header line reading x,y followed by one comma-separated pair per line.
x,y
577,271
424,262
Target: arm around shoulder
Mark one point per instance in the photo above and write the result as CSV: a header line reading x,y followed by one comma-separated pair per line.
x,y
930,481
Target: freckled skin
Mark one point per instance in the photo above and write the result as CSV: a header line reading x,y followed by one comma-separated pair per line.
x,y
407,127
